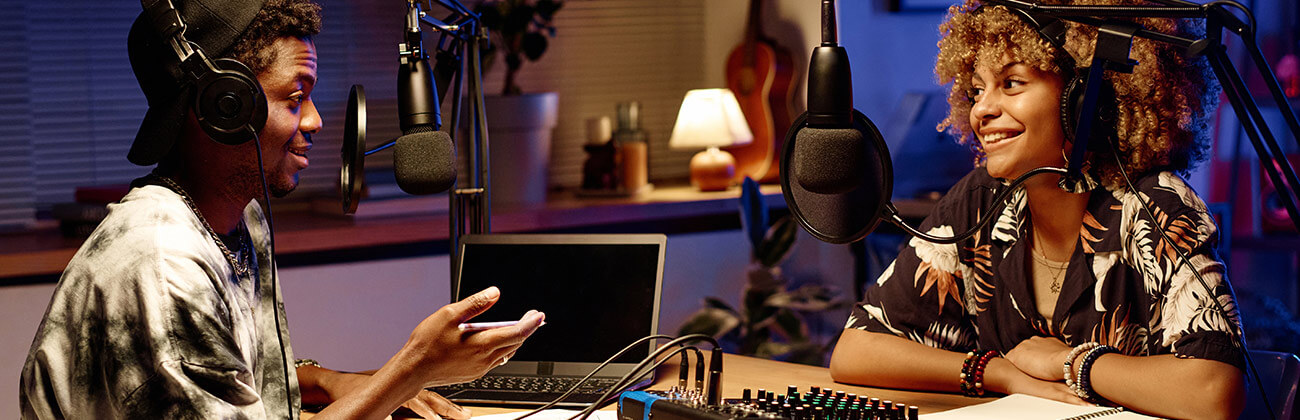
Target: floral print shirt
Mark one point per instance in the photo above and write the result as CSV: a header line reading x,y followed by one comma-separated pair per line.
x,y
1125,286
149,321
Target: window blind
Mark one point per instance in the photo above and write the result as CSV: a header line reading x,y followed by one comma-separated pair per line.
x,y
16,195
70,106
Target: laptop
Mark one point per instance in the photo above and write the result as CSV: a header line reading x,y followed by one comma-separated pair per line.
x,y
600,292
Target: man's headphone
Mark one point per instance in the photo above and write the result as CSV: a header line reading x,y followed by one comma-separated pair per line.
x,y
1072,104
228,100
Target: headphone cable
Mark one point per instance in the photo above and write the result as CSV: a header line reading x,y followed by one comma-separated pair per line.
x,y
1237,336
275,288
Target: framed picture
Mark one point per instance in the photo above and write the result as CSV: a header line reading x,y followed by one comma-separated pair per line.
x,y
920,5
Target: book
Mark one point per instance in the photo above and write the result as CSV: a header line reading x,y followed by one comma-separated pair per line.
x,y
79,212
100,194
1028,407
378,208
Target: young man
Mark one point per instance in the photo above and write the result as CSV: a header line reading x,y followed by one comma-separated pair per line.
x,y
168,309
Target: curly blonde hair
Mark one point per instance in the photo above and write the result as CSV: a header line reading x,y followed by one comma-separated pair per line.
x,y
1162,108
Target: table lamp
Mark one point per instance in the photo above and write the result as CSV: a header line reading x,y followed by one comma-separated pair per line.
x,y
709,119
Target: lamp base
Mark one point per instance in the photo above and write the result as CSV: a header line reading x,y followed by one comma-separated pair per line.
x,y
712,170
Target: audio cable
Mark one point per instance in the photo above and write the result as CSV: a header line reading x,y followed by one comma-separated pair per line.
x,y
1236,335
275,291
640,370
715,370
593,373
999,200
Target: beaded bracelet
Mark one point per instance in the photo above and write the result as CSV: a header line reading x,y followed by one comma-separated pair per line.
x,y
1069,361
1083,384
972,373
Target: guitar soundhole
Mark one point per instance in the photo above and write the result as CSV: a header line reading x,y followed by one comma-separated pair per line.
x,y
748,80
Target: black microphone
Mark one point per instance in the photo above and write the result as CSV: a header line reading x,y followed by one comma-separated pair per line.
x,y
828,152
840,175
423,160
417,100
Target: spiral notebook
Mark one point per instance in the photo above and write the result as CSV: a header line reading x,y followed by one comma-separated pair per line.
x,y
1028,407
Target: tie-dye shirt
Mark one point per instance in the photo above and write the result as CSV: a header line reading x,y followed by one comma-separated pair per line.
x,y
150,321
1125,286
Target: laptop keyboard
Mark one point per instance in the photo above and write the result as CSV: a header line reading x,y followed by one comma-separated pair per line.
x,y
535,384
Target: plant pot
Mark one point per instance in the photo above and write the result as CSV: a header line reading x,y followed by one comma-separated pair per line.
x,y
519,135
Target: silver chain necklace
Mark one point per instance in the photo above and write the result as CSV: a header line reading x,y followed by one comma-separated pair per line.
x,y
241,268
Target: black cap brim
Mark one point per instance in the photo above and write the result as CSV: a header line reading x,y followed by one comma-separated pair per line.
x,y
158,132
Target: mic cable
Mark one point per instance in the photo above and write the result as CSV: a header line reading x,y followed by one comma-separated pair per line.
x,y
637,371
1238,339
593,373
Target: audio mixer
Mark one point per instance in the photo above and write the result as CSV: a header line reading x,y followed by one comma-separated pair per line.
x,y
815,404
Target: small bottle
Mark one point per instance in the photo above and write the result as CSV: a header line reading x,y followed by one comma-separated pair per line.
x,y
633,145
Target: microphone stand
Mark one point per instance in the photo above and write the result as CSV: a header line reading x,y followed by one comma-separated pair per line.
x,y
463,35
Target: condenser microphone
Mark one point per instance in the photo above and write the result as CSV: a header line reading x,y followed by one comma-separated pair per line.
x,y
828,151
423,158
417,99
423,162
840,176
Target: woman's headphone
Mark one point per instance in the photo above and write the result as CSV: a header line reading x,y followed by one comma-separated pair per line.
x,y
1072,104
228,101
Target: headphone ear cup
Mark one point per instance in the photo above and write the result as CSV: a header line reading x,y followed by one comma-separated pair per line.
x,y
1103,130
229,103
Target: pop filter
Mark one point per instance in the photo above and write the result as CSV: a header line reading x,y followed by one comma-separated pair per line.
x,y
352,172
845,214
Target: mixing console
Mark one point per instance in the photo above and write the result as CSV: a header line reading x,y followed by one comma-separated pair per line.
x,y
815,404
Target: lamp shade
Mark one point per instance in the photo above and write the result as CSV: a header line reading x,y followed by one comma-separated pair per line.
x,y
710,118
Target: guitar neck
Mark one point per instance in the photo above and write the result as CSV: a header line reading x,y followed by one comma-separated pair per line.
x,y
753,29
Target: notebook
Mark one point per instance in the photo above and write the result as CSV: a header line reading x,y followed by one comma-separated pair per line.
x,y
1027,407
600,292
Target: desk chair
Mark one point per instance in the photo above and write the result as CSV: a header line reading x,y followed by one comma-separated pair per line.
x,y
1280,375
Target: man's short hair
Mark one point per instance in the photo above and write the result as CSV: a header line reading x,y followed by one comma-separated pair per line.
x,y
277,19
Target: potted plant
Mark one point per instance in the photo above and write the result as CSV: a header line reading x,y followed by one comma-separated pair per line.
x,y
771,321
519,124
519,29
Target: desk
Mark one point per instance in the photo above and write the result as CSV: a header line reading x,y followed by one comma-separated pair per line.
x,y
740,372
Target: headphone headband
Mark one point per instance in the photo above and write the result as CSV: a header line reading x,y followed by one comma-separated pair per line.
x,y
229,103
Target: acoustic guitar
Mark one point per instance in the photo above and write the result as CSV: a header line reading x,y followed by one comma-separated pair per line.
x,y
751,71
781,101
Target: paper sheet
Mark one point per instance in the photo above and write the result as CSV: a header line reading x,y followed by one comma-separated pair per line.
x,y
1026,407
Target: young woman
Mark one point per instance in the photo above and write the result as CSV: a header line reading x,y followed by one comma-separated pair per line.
x,y
1069,295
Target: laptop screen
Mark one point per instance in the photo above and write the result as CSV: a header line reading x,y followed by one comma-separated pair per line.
x,y
599,292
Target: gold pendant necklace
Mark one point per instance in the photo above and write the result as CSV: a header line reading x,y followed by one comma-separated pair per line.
x,y
1047,262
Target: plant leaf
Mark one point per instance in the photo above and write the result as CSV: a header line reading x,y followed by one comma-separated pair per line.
x,y
772,349
806,352
534,45
546,8
712,302
808,298
777,242
753,212
712,322
790,325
